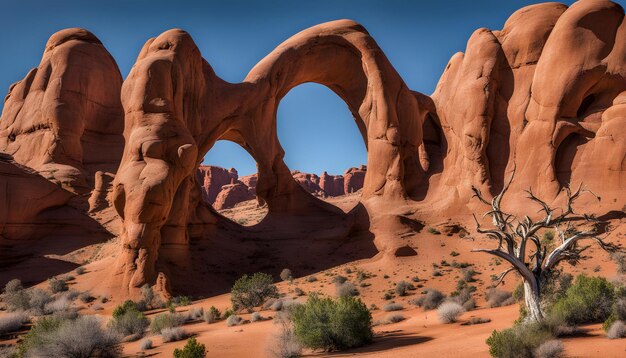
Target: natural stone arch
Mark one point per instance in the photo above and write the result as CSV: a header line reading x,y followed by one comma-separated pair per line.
x,y
176,108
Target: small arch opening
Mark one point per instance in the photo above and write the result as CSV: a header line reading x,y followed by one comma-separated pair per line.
x,y
227,178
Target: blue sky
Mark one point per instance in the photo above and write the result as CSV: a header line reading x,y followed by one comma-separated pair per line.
x,y
315,127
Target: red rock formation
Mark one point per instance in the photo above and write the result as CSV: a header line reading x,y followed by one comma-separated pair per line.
x,y
332,185
354,178
542,95
212,179
533,96
309,182
233,194
65,118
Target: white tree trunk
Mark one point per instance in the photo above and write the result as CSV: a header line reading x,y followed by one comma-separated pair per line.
x,y
533,303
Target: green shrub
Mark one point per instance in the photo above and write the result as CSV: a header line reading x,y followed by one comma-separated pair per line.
x,y
57,285
58,337
518,342
212,315
127,306
167,320
192,349
128,320
402,287
251,291
324,323
588,300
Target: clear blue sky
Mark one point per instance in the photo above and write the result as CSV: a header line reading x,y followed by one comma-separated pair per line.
x,y
315,127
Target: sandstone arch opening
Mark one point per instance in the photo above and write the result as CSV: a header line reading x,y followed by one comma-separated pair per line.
x,y
324,146
227,180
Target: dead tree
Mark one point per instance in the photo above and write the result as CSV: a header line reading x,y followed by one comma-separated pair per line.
x,y
519,245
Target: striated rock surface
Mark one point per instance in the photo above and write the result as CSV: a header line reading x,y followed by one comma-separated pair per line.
x,y
332,185
212,179
542,96
65,118
354,178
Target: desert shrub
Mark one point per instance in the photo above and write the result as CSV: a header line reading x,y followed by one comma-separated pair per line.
x,y
196,313
229,312
393,318
37,300
148,296
285,344
476,320
464,298
620,308
499,298
130,323
362,275
393,307
60,304
86,297
234,320
13,286
127,306
57,285
145,344
402,287
449,312
346,289
434,231
12,322
620,261
286,313
311,279
212,315
298,291
251,291
588,300
324,323
80,270
179,301
469,305
617,330
430,300
549,349
256,316
9,351
468,275
82,337
338,280
15,296
286,275
167,320
519,341
276,305
192,349
173,334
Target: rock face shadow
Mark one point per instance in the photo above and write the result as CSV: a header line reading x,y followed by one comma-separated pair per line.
x,y
304,244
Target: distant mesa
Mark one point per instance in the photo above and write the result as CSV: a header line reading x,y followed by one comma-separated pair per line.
x,y
223,189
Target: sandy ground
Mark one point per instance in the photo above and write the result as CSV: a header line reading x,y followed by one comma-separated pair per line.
x,y
420,334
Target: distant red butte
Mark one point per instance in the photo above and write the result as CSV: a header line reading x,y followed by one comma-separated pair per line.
x,y
223,189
